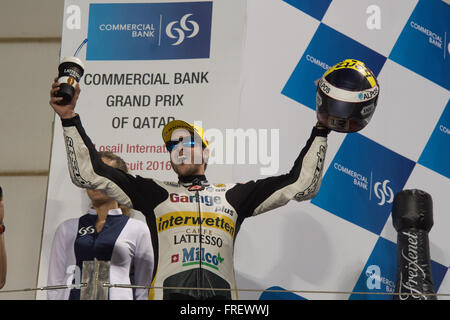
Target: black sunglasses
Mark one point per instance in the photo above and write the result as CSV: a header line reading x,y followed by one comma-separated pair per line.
x,y
170,145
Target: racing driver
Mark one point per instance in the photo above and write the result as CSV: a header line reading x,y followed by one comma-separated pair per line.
x,y
193,223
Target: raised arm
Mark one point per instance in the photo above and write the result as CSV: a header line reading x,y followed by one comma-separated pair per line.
x,y
87,170
301,183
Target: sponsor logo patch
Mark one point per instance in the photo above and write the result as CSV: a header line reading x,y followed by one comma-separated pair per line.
x,y
192,255
360,184
191,218
149,31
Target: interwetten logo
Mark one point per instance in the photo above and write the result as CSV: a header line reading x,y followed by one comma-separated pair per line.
x,y
361,182
191,218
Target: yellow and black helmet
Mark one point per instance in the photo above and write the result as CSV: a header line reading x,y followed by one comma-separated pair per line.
x,y
347,95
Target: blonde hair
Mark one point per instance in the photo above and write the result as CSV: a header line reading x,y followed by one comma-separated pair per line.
x,y
120,164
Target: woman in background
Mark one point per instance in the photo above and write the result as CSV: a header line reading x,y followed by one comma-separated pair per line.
x,y
107,233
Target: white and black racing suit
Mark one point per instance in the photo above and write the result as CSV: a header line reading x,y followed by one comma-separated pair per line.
x,y
193,223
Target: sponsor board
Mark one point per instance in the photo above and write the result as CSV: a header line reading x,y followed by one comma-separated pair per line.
x,y
379,275
316,8
361,182
149,31
423,45
436,155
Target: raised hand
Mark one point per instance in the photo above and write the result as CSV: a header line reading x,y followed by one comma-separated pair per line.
x,y
64,111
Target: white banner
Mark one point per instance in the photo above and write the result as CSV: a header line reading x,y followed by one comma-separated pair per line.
x,y
254,78
146,63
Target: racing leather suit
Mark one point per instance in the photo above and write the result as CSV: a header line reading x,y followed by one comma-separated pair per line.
x,y
193,223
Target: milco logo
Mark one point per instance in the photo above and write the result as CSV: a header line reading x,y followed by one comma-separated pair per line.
x,y
86,230
192,257
193,29
383,192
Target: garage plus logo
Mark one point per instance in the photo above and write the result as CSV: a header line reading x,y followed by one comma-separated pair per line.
x,y
192,30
